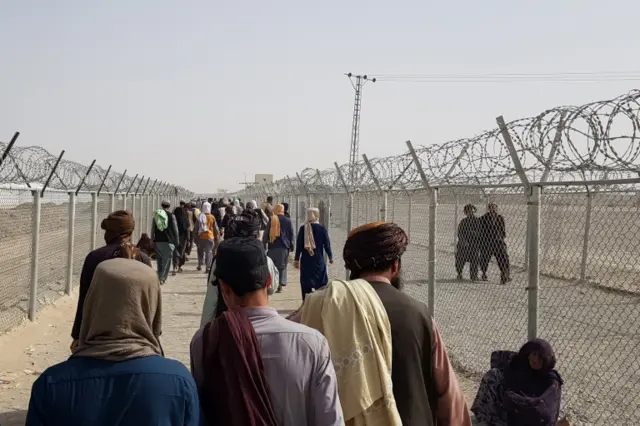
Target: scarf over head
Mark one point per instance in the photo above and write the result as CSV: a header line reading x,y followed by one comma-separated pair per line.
x,y
161,219
235,390
203,223
313,215
373,245
361,352
274,231
252,205
117,226
122,314
532,395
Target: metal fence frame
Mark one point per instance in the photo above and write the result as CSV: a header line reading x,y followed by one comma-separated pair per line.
x,y
526,162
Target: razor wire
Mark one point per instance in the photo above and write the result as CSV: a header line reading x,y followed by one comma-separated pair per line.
x,y
33,164
596,141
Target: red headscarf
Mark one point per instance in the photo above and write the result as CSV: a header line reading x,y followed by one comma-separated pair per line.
x,y
235,390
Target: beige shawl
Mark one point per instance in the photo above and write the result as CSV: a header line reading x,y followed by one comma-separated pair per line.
x,y
122,312
355,323
313,215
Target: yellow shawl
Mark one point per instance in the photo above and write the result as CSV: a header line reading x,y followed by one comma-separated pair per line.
x,y
274,230
355,323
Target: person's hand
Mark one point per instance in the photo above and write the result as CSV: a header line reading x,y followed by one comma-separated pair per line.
x,y
331,261
296,264
74,345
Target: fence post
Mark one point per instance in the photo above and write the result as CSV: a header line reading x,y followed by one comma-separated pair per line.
x,y
297,214
533,231
410,211
431,272
455,222
385,205
349,225
35,249
112,202
94,219
133,212
71,242
393,207
585,241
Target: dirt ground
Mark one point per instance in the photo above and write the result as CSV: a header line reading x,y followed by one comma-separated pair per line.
x,y
32,347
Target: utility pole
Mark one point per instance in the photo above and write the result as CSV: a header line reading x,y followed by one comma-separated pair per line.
x,y
358,82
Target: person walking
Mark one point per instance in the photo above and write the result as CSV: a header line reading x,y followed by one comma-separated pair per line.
x,y
164,233
118,227
311,244
117,375
278,239
182,221
253,367
493,234
425,388
208,235
467,249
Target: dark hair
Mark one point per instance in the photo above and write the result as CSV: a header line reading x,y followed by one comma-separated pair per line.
x,y
269,199
246,224
469,208
242,264
228,209
210,200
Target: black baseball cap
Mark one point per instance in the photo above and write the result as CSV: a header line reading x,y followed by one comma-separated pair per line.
x,y
242,264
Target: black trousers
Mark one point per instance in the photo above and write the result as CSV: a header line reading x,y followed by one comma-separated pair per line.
x,y
497,249
466,254
179,257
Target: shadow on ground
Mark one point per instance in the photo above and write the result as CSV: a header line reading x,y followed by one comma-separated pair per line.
x,y
13,418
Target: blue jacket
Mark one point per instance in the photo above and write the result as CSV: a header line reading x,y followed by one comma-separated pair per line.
x,y
148,391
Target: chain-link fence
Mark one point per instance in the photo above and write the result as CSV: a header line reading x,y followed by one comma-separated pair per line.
x,y
50,215
528,230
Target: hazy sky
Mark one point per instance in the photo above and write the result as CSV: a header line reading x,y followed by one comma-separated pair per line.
x,y
200,92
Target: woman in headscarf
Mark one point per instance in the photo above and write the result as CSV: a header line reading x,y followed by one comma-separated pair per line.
x,y
361,352
278,239
118,227
246,225
236,207
208,234
521,388
117,374
312,242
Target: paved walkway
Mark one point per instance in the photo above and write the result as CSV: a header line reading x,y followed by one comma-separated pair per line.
x,y
32,347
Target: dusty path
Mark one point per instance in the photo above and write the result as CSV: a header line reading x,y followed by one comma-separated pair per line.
x,y
28,350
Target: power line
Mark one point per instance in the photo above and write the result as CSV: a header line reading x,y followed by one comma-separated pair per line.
x,y
358,82
570,77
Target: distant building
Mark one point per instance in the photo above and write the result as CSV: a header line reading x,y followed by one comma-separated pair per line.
x,y
264,178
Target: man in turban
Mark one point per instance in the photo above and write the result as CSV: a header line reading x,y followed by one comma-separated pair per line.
x,y
425,388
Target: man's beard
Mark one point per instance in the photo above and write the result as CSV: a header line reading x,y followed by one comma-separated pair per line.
x,y
398,281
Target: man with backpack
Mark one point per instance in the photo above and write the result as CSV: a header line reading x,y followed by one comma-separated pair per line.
x,y
164,234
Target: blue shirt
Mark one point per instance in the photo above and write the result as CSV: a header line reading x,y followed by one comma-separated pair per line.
x,y
81,391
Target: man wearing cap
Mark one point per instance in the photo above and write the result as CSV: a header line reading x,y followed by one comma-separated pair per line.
x,y
297,363
164,234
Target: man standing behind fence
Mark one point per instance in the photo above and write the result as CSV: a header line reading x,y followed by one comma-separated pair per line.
x,y
493,233
468,239
164,234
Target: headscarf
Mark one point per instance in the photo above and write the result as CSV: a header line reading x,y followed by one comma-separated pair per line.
x,y
274,231
313,215
235,391
122,313
117,226
361,352
236,207
252,205
203,223
374,245
532,395
521,378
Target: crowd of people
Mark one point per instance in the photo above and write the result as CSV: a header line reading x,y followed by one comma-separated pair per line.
x,y
357,352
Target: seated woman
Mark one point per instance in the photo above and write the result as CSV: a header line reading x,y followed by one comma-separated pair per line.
x,y
117,374
521,388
